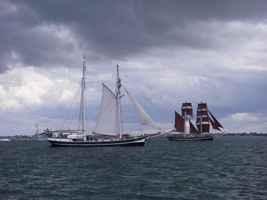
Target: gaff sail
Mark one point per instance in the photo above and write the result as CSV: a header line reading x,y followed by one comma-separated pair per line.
x,y
108,122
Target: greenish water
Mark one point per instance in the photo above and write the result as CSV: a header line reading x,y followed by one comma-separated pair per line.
x,y
226,168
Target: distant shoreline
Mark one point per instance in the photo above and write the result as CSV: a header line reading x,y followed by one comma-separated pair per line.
x,y
245,134
30,137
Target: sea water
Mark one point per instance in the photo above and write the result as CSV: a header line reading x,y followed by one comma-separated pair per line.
x,y
226,168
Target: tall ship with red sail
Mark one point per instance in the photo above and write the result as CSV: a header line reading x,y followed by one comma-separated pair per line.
x,y
185,130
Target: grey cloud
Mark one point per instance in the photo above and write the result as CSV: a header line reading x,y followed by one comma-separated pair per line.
x,y
114,29
163,44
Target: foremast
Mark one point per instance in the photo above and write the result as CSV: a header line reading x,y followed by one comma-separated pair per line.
x,y
83,99
118,104
187,114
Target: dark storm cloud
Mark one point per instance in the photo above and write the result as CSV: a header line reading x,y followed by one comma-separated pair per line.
x,y
24,39
123,27
112,29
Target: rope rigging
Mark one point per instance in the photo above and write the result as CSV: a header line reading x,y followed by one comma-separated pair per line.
x,y
146,97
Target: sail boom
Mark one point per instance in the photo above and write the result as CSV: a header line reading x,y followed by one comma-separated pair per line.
x,y
67,131
107,135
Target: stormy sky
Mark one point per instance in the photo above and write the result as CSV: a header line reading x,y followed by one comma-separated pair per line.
x,y
169,52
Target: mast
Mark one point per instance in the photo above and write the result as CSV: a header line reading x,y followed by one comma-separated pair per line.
x,y
203,118
201,131
83,99
118,96
187,114
37,130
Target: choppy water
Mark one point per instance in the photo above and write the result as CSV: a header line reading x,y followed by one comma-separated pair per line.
x,y
226,168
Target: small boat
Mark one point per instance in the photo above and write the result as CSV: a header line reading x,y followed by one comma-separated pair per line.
x,y
37,135
4,140
184,129
108,126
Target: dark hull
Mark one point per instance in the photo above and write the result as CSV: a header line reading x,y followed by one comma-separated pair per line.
x,y
139,141
204,138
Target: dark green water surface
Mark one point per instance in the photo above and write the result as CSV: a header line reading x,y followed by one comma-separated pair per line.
x,y
226,168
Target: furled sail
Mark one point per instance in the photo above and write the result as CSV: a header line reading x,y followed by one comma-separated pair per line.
x,y
202,122
179,123
187,110
107,123
144,118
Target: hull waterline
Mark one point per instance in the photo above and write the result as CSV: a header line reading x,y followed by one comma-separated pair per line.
x,y
205,138
57,142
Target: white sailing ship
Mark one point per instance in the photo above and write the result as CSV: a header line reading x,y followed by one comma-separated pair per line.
x,y
108,124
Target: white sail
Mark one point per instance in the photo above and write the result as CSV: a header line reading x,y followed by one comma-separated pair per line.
x,y
107,123
142,115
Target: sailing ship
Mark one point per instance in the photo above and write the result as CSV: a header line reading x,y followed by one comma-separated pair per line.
x,y
37,135
184,129
108,125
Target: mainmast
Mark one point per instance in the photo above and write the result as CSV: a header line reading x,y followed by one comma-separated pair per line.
x,y
203,118
118,96
83,99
